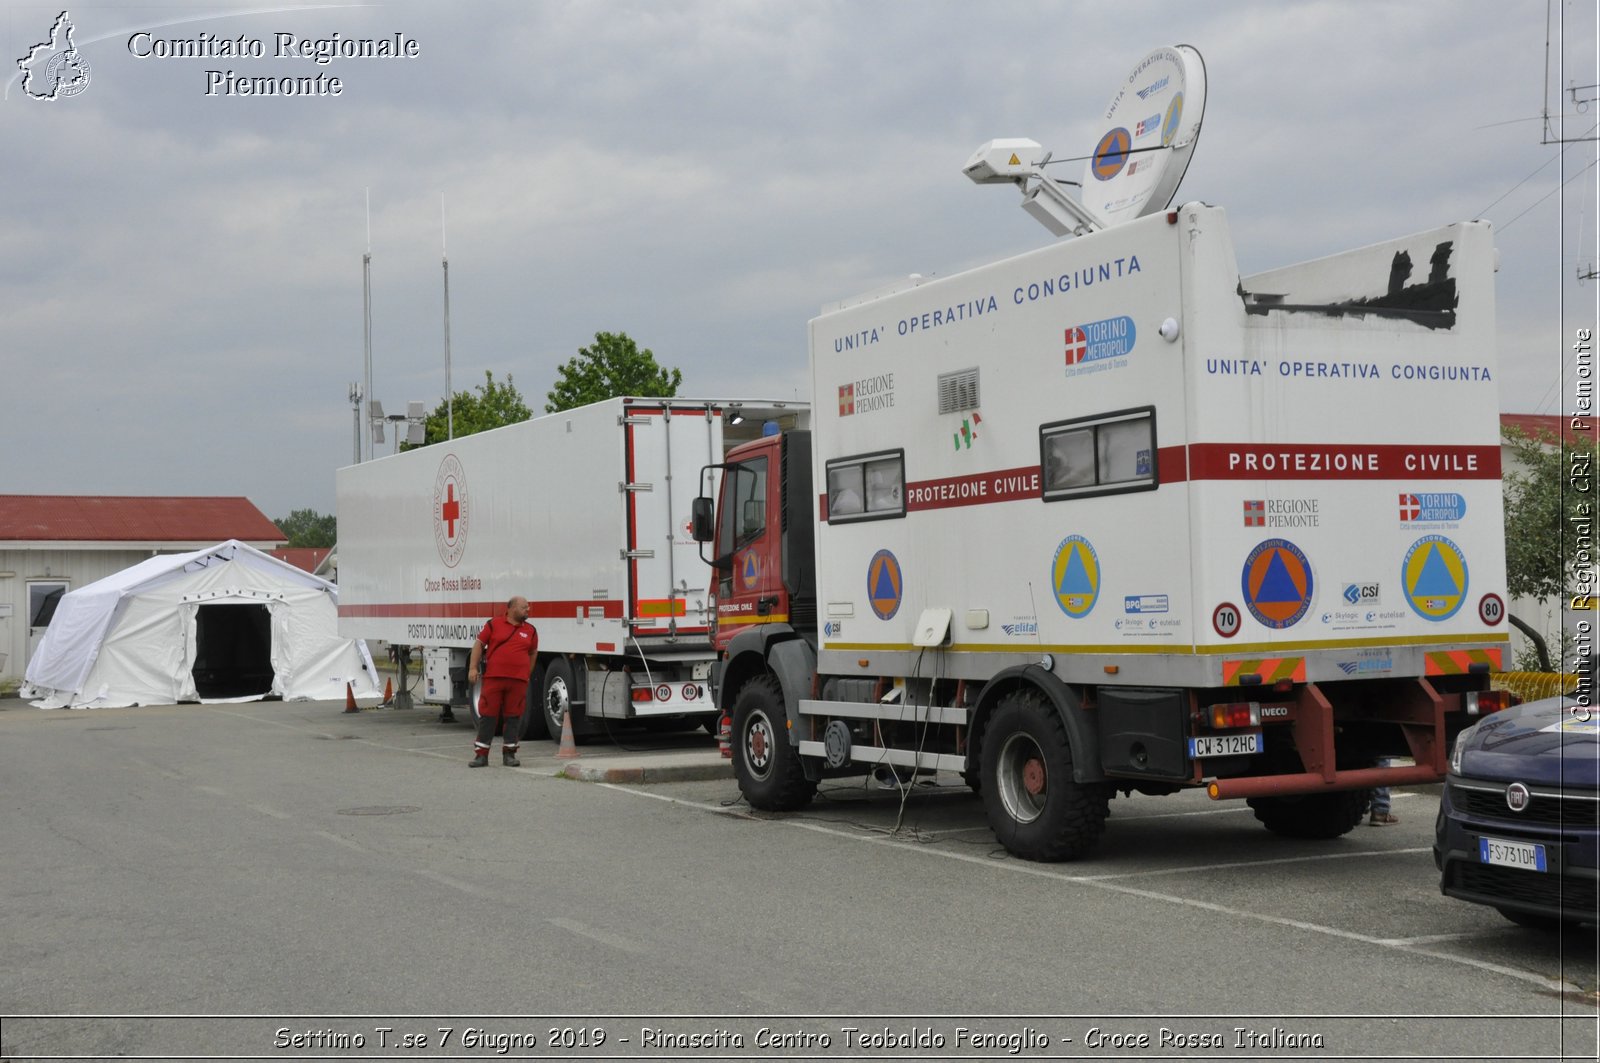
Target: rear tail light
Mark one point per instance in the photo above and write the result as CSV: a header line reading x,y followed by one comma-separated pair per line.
x,y
1480,702
643,694
1236,714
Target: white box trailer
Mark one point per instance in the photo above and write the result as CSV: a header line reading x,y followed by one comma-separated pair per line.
x,y
1109,516
586,514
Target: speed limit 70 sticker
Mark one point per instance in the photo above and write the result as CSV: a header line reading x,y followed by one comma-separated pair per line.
x,y
1225,620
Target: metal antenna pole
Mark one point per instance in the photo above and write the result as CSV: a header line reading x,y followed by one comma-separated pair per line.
x,y
449,392
355,403
366,302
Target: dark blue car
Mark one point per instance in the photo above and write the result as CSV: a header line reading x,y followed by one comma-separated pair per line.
x,y
1519,822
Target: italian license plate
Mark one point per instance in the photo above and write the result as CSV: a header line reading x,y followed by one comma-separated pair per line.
x,y
1225,745
1497,851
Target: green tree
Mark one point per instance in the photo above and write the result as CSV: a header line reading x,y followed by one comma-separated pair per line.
x,y
307,527
1544,509
1535,515
494,404
613,366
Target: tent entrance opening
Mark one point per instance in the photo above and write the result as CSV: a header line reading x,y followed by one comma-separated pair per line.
x,y
233,651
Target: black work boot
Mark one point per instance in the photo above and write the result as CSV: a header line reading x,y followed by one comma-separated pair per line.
x,y
480,748
508,757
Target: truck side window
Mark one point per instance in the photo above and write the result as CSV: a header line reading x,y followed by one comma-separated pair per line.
x,y
1105,454
867,487
744,516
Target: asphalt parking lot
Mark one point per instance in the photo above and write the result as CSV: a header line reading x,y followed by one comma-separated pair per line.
x,y
272,859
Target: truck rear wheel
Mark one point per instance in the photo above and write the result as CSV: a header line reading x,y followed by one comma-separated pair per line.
x,y
556,697
534,725
766,764
1314,816
1035,808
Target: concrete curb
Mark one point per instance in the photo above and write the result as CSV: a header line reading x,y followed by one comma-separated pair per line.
x,y
647,770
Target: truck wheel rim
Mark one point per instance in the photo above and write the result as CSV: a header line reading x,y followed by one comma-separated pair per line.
x,y
556,701
1024,782
758,745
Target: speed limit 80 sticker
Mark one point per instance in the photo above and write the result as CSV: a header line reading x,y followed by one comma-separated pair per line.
x,y
1491,610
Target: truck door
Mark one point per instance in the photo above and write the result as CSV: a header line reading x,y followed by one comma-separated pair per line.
x,y
749,588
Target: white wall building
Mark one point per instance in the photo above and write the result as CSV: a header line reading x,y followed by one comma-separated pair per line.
x,y
51,544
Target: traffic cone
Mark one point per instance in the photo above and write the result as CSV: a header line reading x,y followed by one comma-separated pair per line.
x,y
350,699
569,748
388,692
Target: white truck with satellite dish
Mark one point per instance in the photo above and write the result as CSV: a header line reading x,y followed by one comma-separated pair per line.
x,y
1110,517
586,514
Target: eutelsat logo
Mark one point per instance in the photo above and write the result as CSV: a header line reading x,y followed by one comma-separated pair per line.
x,y
54,69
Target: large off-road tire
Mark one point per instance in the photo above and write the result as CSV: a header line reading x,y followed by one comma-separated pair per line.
x,y
555,697
1035,808
765,762
1315,816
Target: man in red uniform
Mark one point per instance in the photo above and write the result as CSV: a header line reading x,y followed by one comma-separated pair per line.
x,y
505,649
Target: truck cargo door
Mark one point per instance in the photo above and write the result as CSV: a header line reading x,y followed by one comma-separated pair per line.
x,y
667,580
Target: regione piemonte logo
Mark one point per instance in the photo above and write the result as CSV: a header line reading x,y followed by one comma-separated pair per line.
x,y
450,510
54,69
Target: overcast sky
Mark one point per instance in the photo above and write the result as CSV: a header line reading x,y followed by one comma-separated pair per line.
x,y
182,278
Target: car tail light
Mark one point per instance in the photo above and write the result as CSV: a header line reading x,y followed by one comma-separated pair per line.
x,y
643,694
1236,714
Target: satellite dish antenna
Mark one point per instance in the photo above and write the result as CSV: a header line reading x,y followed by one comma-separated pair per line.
x,y
1148,135
1150,129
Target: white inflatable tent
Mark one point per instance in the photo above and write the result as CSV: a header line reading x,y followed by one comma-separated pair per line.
x,y
225,624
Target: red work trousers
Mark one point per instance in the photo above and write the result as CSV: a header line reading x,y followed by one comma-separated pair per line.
x,y
500,698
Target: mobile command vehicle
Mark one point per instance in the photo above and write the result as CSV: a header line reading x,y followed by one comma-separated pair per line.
x,y
1110,517
586,514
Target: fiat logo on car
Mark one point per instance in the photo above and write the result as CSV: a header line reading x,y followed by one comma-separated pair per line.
x,y
1517,797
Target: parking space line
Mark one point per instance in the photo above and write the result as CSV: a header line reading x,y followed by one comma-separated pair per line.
x,y
1553,985
1256,863
1432,939
346,842
1178,815
453,883
604,937
325,734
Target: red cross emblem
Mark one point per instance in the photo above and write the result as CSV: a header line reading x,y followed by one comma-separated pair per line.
x,y
847,400
450,512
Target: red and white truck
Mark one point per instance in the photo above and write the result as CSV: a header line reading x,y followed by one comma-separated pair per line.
x,y
586,514
1110,517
